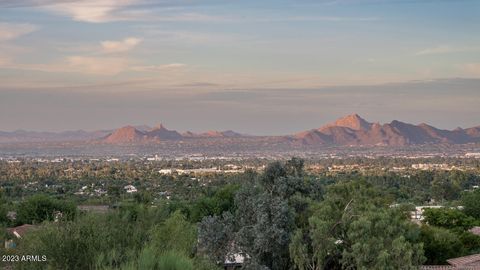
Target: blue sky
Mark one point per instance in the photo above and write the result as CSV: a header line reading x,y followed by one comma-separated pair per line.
x,y
182,51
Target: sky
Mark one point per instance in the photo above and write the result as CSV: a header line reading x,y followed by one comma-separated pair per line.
x,y
259,67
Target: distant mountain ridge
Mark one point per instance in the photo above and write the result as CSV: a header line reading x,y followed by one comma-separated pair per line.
x,y
351,130
130,134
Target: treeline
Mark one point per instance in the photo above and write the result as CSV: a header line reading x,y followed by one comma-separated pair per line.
x,y
419,187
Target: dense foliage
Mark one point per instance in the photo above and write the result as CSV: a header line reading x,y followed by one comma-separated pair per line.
x,y
284,217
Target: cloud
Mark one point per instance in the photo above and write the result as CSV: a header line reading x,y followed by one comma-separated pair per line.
x,y
11,31
153,68
139,4
30,3
97,65
93,11
444,49
120,46
472,69
4,60
436,50
319,19
101,11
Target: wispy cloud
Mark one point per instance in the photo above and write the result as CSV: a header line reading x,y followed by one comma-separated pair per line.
x,y
31,3
472,69
4,59
11,31
155,68
125,45
97,65
147,4
444,49
101,11
93,11
318,19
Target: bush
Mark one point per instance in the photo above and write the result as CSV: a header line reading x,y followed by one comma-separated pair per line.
x,y
174,261
39,208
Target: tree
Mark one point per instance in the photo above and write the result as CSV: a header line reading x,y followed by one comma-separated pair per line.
x,y
221,201
444,188
382,239
264,218
215,236
3,210
440,244
39,208
353,229
448,218
470,202
267,237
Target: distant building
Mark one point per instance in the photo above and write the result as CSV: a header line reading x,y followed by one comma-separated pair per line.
x,y
417,214
94,208
155,158
475,230
234,261
472,155
165,171
130,189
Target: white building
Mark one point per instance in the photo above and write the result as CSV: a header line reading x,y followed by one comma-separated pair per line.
x,y
130,189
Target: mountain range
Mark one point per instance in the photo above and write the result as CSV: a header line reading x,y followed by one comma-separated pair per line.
x,y
351,130
354,130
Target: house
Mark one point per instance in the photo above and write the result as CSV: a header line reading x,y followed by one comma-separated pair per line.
x,y
466,261
234,261
418,213
166,171
130,189
471,262
475,230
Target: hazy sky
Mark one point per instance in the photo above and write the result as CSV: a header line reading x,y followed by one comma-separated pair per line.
x,y
263,67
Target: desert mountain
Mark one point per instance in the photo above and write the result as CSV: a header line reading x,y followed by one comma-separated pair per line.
x,y
212,134
162,133
351,130
354,130
126,134
130,134
352,121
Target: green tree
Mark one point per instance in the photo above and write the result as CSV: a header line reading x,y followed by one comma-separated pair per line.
x,y
39,208
445,188
215,236
448,218
353,229
440,244
470,202
267,209
221,201
382,239
3,210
